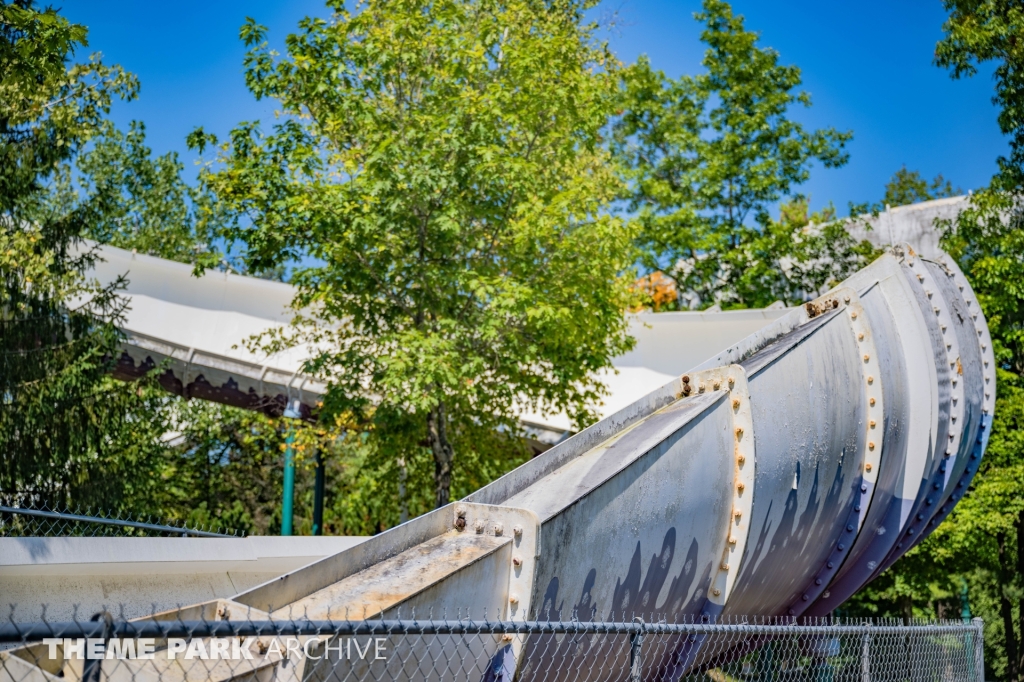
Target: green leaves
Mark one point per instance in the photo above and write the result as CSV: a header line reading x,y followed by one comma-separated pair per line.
x,y
707,155
440,166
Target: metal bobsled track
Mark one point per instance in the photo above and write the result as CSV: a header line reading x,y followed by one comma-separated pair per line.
x,y
775,479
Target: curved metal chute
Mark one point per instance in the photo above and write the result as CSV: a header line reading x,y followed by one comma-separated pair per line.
x,y
775,479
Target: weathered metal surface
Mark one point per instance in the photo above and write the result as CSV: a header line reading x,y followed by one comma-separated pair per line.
x,y
776,478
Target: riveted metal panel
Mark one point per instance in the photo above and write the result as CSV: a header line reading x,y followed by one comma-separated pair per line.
x,y
808,413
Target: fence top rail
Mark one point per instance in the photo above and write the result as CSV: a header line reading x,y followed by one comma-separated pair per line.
x,y
123,523
107,629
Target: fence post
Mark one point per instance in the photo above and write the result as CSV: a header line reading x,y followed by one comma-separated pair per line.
x,y
93,666
636,640
979,648
865,657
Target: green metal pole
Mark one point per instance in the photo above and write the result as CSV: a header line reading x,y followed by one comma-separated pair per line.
x,y
289,485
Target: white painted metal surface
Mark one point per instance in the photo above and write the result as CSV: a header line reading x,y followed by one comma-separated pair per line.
x,y
774,478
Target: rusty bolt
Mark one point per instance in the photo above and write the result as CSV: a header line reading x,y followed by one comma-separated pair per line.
x,y
860,337
732,539
460,511
871,402
871,423
717,384
737,513
740,487
717,592
506,637
741,459
686,378
732,380
835,303
687,390
517,561
867,467
479,526
725,566
517,531
871,446
739,431
498,529
460,523
513,599
853,315
866,357
871,380
735,403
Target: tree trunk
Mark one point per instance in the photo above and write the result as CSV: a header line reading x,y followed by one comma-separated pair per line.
x,y
437,435
1006,610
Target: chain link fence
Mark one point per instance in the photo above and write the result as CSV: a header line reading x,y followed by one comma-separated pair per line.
x,y
213,642
32,518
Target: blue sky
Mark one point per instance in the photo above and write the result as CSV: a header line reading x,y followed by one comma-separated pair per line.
x,y
866,64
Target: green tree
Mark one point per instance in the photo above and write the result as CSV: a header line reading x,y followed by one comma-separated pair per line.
x,y
440,168
68,433
708,155
907,187
140,202
988,241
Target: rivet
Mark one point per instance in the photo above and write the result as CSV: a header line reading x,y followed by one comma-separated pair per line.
x,y
740,459
700,387
871,401
517,531
460,523
725,566
805,597
867,467
871,446
846,299
928,292
740,486
830,565
871,423
863,488
860,337
817,581
717,384
732,380
460,511
920,277
732,540
517,561
737,513
849,529
736,403
498,529
826,594
717,592
840,547
853,315
739,431
871,380
513,598
479,526
866,358
686,378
